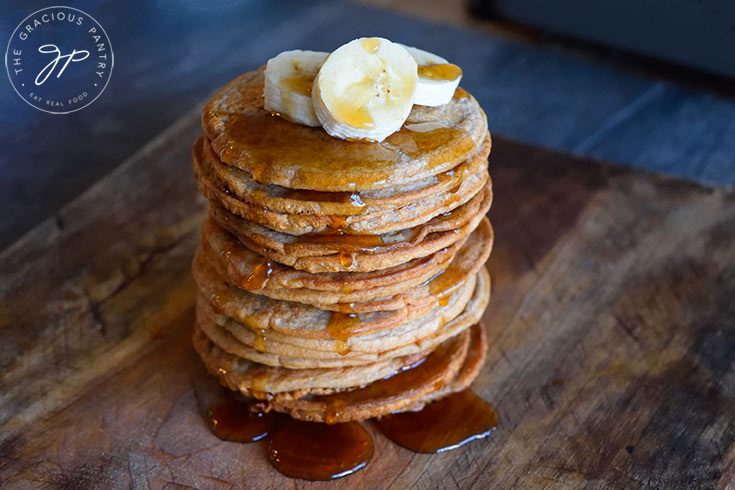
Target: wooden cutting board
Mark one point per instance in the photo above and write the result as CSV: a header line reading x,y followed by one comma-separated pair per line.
x,y
612,327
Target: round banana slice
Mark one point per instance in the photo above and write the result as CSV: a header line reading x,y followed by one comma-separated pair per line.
x,y
438,79
364,90
288,80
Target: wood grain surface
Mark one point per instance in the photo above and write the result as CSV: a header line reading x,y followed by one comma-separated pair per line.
x,y
612,328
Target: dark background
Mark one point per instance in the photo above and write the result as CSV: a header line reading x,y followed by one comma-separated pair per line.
x,y
534,86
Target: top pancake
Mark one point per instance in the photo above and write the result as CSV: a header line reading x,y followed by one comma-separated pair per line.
x,y
275,151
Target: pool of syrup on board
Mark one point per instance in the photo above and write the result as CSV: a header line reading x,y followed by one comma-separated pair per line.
x,y
319,451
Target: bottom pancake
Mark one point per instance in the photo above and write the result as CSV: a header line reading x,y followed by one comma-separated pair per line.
x,y
458,358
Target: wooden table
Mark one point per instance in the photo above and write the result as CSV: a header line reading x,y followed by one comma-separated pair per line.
x,y
612,327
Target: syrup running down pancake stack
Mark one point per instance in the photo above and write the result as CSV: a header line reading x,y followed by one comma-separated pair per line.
x,y
342,280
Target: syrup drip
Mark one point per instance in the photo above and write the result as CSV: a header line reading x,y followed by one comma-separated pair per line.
x,y
460,94
441,425
260,381
446,176
453,195
440,71
361,243
315,451
261,341
445,283
346,260
348,308
259,277
342,326
238,422
338,223
334,411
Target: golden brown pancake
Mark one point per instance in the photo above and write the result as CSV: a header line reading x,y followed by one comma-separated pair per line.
x,y
470,257
402,391
290,318
242,267
261,349
342,335
257,380
278,152
284,200
410,215
356,253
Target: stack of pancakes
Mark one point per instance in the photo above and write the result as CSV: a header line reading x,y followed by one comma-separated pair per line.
x,y
341,280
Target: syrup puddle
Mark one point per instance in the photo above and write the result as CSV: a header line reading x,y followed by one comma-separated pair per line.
x,y
319,451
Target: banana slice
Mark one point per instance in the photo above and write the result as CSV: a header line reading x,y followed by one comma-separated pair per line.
x,y
365,89
438,79
288,80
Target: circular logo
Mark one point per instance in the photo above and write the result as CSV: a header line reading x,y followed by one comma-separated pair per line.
x,y
59,59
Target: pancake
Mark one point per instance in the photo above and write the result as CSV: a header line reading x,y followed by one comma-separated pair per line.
x,y
257,351
343,334
467,260
290,201
356,253
400,392
243,267
289,318
412,214
258,381
278,152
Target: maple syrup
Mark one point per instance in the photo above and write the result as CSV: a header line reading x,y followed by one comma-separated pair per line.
x,y
261,341
334,411
440,71
346,260
256,141
325,451
453,196
259,277
259,383
338,223
445,283
354,199
357,243
315,451
441,425
371,44
300,84
429,370
342,326
460,94
446,176
237,421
